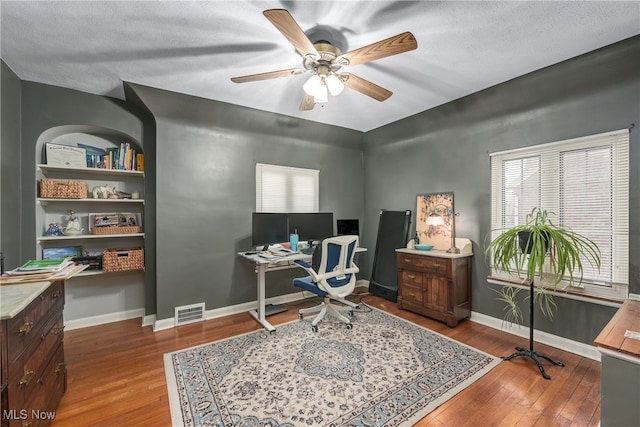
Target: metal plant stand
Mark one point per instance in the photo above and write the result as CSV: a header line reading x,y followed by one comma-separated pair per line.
x,y
530,353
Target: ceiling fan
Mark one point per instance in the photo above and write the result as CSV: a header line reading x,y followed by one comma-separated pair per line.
x,y
323,60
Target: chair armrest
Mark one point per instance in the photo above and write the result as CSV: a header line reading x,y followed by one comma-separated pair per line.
x,y
303,264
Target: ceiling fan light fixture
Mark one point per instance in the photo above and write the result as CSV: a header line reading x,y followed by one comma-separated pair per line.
x,y
334,84
312,85
321,96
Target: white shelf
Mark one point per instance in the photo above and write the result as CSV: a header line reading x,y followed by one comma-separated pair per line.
x,y
100,273
92,171
87,237
46,201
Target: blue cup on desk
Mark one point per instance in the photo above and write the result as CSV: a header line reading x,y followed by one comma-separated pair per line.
x,y
293,240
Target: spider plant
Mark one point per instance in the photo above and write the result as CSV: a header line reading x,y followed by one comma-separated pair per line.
x,y
536,248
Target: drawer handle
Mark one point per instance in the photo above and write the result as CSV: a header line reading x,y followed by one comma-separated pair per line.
x,y
411,294
59,368
25,379
436,265
407,260
411,276
56,294
25,329
58,330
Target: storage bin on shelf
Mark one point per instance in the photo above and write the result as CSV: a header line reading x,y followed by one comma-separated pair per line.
x,y
122,259
63,188
116,230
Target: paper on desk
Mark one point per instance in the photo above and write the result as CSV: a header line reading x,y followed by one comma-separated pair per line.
x,y
632,334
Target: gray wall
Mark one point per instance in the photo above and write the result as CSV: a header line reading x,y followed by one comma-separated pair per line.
x,y
10,218
205,191
446,149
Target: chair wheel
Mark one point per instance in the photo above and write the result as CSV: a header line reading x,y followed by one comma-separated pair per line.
x,y
349,326
301,316
350,313
272,332
314,328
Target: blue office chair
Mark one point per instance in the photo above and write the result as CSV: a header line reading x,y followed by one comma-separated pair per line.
x,y
334,278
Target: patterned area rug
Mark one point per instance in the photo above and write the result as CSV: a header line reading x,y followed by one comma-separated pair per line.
x,y
384,371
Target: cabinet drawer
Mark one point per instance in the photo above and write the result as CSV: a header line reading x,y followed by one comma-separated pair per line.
x,y
413,278
412,294
50,387
424,263
25,328
25,372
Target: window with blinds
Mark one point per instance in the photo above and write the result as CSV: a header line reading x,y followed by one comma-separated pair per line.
x,y
286,189
585,183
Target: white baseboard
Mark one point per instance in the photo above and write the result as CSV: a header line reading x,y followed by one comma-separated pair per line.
x,y
102,319
162,324
581,349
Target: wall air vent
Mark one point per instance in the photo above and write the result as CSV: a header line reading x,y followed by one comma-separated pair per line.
x,y
189,314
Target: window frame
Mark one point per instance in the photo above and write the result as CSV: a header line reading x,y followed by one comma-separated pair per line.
x,y
550,199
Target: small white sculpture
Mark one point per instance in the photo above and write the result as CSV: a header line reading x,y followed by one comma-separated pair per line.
x,y
73,225
104,192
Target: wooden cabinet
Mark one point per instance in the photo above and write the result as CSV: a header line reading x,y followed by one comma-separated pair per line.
x,y
435,285
33,360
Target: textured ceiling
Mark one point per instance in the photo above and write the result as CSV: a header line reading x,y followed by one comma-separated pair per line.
x,y
195,47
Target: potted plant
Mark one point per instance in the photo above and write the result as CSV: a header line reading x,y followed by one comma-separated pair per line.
x,y
539,248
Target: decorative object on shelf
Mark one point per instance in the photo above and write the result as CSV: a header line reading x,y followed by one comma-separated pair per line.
x,y
539,248
122,259
63,188
423,247
73,227
104,192
435,223
54,229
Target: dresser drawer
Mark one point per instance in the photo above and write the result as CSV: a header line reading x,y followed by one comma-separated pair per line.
x,y
413,278
28,368
25,328
50,386
411,294
427,264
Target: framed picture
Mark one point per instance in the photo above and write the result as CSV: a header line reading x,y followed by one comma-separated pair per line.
x,y
434,219
62,252
65,155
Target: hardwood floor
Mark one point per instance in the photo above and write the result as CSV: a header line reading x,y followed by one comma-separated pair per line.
x,y
116,375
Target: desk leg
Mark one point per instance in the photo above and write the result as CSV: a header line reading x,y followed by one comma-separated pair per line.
x,y
259,314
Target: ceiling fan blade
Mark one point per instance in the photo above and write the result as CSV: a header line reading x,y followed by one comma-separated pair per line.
x,y
365,86
284,22
392,46
268,75
308,102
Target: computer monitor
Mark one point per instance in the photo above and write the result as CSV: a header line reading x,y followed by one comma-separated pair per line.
x,y
348,227
311,226
268,228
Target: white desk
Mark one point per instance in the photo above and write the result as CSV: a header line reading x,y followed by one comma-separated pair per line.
x,y
262,265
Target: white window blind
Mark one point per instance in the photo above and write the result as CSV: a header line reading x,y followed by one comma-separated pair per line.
x,y
286,189
585,182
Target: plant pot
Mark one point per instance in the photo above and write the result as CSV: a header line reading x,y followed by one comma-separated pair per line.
x,y
526,243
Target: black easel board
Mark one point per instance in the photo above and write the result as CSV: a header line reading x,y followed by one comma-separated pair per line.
x,y
393,233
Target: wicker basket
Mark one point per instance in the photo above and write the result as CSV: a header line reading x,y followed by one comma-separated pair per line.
x,y
123,259
116,230
63,189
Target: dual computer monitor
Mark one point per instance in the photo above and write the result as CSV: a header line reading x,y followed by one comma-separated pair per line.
x,y
270,228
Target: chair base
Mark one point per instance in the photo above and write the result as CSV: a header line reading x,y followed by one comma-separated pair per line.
x,y
327,308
